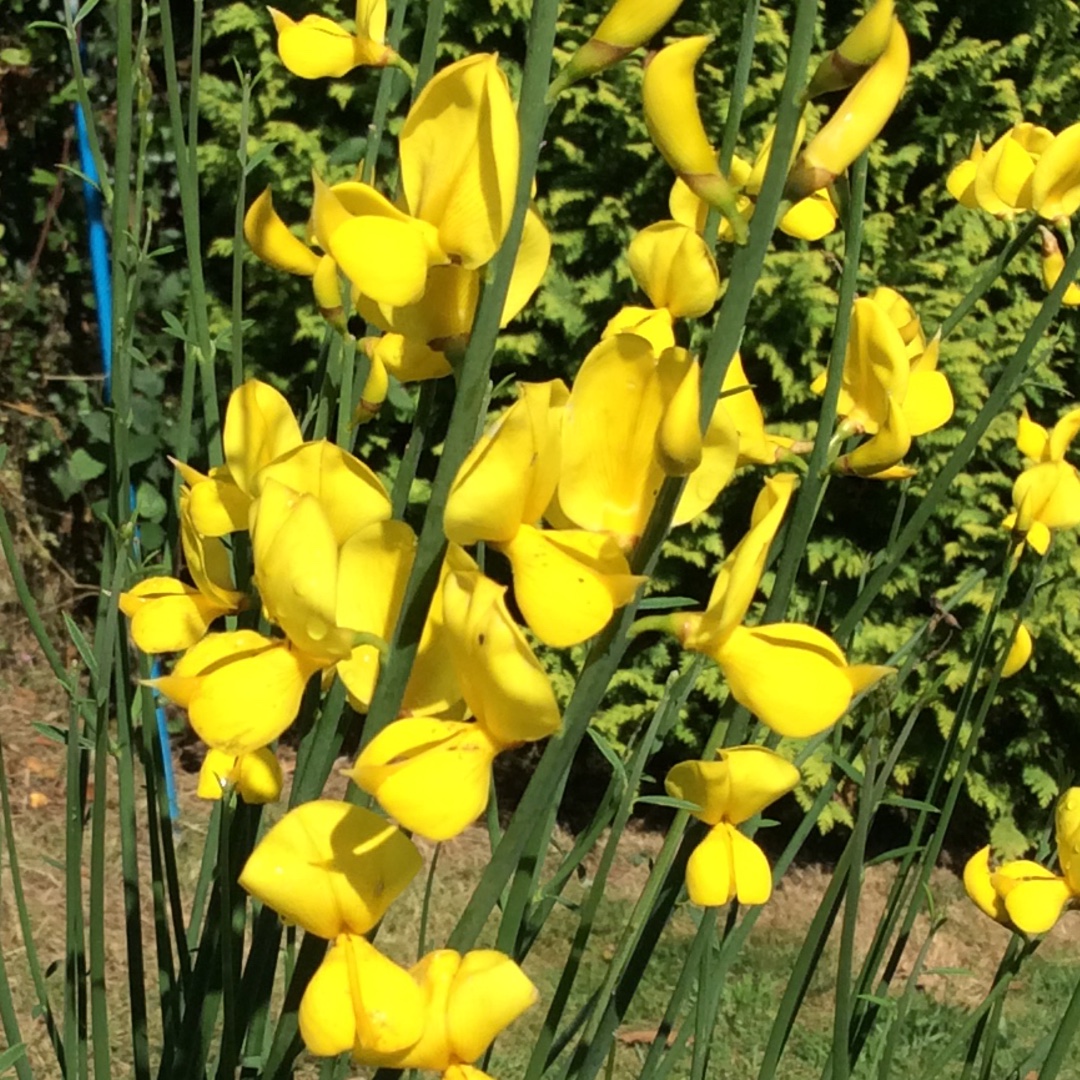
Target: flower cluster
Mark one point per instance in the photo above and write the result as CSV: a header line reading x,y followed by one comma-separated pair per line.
x,y
563,483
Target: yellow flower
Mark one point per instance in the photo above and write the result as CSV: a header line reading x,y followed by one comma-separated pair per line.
x,y
857,121
468,1001
434,775
361,1002
1003,177
675,126
674,267
628,25
891,387
169,616
1025,895
611,470
726,864
331,868
1055,183
316,47
851,59
1046,495
510,475
259,428
794,678
241,690
256,776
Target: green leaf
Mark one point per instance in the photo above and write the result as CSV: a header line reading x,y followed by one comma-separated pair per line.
x,y
15,57
83,467
150,504
12,1054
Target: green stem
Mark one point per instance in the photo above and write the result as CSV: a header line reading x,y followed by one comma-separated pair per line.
x,y
379,116
740,79
236,338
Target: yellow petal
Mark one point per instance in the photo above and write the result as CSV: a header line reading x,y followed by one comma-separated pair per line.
x,y
568,583
218,507
876,366
655,325
374,566
903,316
269,237
241,690
883,450
386,260
259,427
679,446
296,570
1003,177
630,23
710,871
504,685
435,976
488,994
530,265
167,615
739,785
1062,435
257,776
444,313
741,571
1019,652
1067,828
980,890
1055,185
961,183
810,218
675,268
331,867
610,475
510,475
792,677
1032,439
1048,493
753,875
1034,896
371,19
675,126
350,494
746,415
433,776
719,457
316,48
407,360
327,1016
460,156
207,560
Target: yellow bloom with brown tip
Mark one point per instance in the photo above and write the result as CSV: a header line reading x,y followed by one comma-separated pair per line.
x,y
1053,262
857,121
727,865
317,47
628,25
851,59
675,126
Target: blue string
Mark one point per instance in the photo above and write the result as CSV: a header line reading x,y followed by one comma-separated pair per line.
x,y
101,272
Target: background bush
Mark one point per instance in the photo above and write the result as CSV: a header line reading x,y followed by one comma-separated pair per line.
x,y
977,70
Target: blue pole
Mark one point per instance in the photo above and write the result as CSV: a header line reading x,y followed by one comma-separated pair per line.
x,y
101,273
